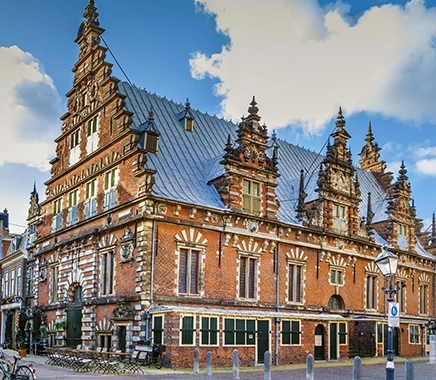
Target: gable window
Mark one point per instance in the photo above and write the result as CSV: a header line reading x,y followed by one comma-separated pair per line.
x,y
189,124
107,272
54,273
92,135
74,147
187,331
209,331
57,214
291,332
91,198
339,222
73,209
295,291
402,236
251,197
337,276
110,189
247,277
371,291
423,299
189,269
414,334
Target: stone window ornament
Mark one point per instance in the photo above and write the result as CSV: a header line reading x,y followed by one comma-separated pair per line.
x,y
127,245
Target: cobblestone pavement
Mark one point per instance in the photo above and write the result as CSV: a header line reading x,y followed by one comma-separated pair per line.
x,y
372,369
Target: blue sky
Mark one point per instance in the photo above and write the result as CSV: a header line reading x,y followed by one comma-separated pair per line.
x,y
301,58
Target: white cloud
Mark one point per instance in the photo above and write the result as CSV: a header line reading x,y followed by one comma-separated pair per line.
x,y
30,107
427,166
302,62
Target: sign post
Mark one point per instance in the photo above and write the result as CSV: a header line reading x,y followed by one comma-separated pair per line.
x,y
394,315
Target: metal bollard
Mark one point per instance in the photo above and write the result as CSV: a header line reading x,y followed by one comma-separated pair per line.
x,y
196,360
267,366
209,364
309,367
235,365
409,370
356,368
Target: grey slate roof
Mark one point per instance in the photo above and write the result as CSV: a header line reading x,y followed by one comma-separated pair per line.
x,y
188,161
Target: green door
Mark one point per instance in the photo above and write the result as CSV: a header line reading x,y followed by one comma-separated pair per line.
x,y
394,340
333,341
319,343
122,338
74,320
262,340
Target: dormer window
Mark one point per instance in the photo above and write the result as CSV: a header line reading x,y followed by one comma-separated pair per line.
x,y
402,236
339,222
251,197
151,143
189,124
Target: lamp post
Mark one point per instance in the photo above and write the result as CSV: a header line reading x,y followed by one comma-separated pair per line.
x,y
387,264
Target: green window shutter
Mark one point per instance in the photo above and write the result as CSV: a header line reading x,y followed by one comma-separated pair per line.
x,y
286,332
240,332
157,329
213,326
188,330
229,331
342,333
204,330
295,332
251,331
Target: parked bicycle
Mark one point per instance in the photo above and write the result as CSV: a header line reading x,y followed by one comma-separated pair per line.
x,y
15,371
156,355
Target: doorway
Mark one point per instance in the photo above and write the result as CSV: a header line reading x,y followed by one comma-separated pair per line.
x,y
319,342
262,340
74,320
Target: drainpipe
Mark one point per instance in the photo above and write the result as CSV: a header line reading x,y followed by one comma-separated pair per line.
x,y
277,320
147,315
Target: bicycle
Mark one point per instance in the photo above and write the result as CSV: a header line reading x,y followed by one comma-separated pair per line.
x,y
15,371
156,355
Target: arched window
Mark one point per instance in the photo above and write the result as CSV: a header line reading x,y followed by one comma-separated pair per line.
x,y
336,302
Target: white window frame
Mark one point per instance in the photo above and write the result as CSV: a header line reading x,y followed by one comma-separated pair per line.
x,y
423,298
333,276
107,272
57,214
187,274
74,147
294,297
246,276
92,139
90,203
371,301
251,197
194,330
402,236
110,188
414,334
54,278
339,219
73,207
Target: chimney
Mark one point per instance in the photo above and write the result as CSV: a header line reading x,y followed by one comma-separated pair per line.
x,y
4,216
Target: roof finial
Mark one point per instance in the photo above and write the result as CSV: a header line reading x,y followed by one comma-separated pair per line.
x,y
253,110
340,122
91,14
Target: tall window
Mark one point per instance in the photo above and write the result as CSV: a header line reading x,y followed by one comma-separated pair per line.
x,y
402,236
209,331
187,331
251,197
30,281
92,135
247,277
19,292
339,222
73,209
401,295
371,291
57,214
105,340
6,285
158,329
110,189
189,270
413,334
54,275
107,272
74,147
336,276
91,198
295,283
239,332
12,291
423,298
291,332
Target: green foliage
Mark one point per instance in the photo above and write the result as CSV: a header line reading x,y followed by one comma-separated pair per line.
x,y
60,325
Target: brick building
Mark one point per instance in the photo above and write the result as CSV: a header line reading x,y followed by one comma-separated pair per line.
x,y
161,222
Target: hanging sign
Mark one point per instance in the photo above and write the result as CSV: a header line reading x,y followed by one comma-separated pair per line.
x,y
394,314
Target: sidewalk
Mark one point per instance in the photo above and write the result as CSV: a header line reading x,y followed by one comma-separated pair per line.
x,y
372,369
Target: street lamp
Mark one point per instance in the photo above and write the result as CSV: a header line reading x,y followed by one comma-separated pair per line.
x,y
387,264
